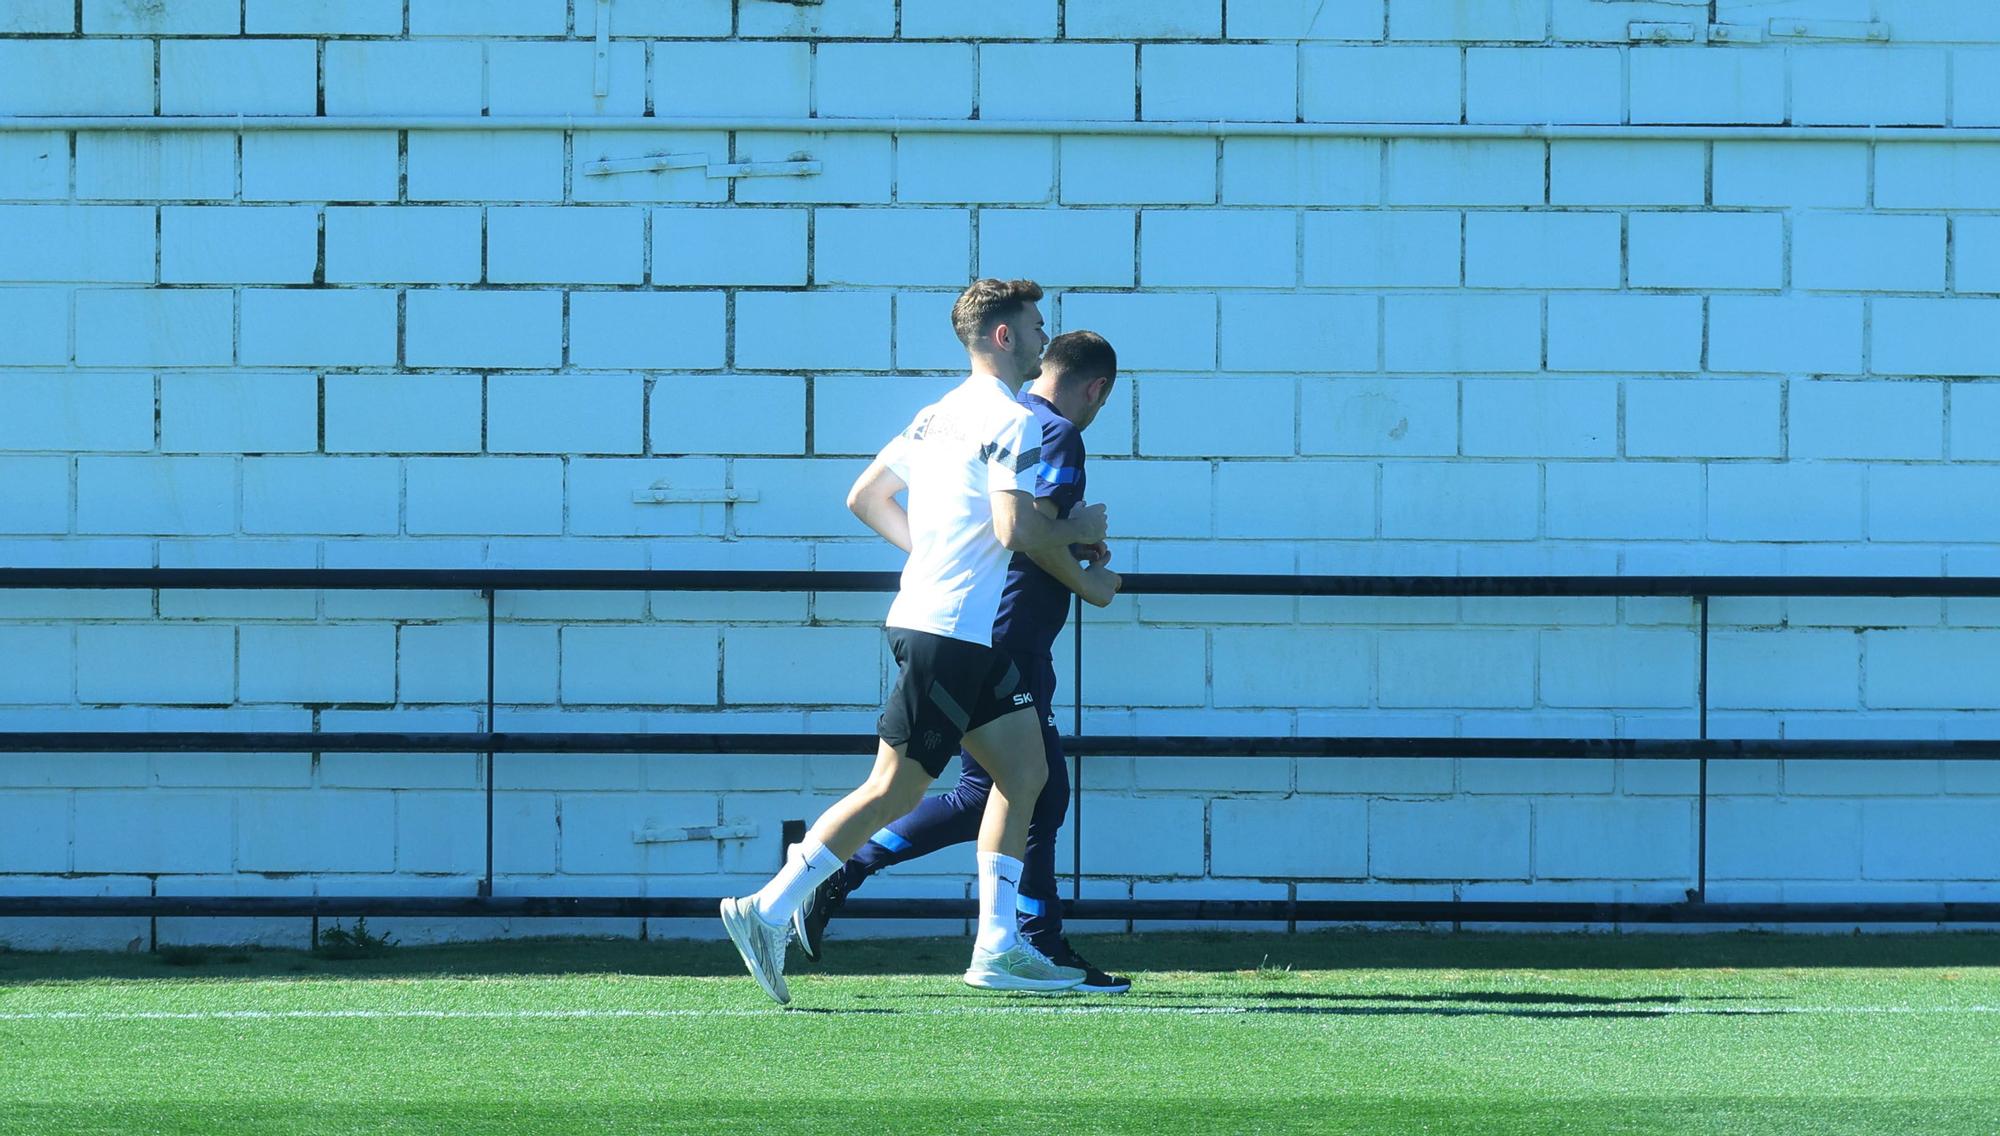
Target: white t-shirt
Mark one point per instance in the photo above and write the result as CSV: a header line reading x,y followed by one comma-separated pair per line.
x,y
975,441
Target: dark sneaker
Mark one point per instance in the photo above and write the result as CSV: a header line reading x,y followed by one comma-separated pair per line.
x,y
809,921
1094,981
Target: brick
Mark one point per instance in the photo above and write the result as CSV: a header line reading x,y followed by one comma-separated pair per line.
x,y
325,830
1868,86
1220,248
403,78
38,502
152,166
699,415
1828,175
154,832
1445,172
1936,21
215,77
1625,333
1867,420
402,244
933,80
924,340
855,414
1304,19
1411,417
1066,81
1862,253
729,246
1713,250
37,77
110,243
34,166
796,666
1456,669
1928,175
1219,82
858,169
1975,91
1975,422
797,498
1377,249
1309,334
483,329
1928,840
178,328
1783,839
1098,171
1591,172
323,17
947,19
1523,20
892,246
1540,84
1542,250
1324,668
541,414
239,412
1822,334
1301,171
1934,337
1451,333
1975,243
403,413
238,245
597,833
318,664
321,327
1296,500
638,665
1058,247
320,495
447,663
1378,84
771,80
1152,331
1143,19
1623,501
561,78
1293,839
119,663
39,324
812,331
440,832
1461,501
71,412
1622,669
1164,499
855,19
1614,840
601,491
502,18
1448,840
1175,677
1394,776
34,832
1683,85
319,166
646,329
1529,418
1824,502
565,245
31,16
488,165
1932,503
485,495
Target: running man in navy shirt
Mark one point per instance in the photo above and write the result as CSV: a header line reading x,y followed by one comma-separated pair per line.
x,y
1078,370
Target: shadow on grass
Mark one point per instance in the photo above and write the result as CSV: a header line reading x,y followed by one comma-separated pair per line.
x,y
1261,956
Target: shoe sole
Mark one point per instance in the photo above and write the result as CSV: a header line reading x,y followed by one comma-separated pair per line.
x,y
1087,988
735,920
984,980
807,947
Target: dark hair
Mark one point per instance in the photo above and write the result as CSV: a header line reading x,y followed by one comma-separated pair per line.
x,y
1080,356
988,302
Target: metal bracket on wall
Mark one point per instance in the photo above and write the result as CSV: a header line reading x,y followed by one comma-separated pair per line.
x,y
661,495
1640,32
653,163
603,59
1782,28
694,832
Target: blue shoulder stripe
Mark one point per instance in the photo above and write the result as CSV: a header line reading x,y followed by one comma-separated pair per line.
x,y
1056,474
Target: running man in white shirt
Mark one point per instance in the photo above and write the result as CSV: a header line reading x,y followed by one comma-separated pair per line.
x,y
968,463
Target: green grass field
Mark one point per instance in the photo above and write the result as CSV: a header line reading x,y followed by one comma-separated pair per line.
x,y
1223,1033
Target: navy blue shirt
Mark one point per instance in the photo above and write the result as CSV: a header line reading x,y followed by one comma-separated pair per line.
x,y
1033,604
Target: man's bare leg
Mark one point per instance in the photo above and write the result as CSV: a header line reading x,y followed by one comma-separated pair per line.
x,y
1009,748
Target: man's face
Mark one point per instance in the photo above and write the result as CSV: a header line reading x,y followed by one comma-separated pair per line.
x,y
1096,393
1028,340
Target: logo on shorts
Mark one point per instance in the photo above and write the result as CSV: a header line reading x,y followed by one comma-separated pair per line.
x,y
932,739
1052,722
1024,699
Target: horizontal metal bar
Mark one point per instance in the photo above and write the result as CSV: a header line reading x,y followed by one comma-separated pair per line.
x,y
1074,127
1095,745
1264,910
1141,583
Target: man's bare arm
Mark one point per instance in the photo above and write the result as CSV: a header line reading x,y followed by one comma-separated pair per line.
x,y
1022,528
1097,584
873,499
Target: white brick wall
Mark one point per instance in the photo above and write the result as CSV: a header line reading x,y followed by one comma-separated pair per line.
x,y
1382,353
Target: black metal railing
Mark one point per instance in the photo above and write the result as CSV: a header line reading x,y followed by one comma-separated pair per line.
x,y
490,742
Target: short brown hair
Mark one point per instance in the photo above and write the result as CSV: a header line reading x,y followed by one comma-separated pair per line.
x,y
1080,356
988,302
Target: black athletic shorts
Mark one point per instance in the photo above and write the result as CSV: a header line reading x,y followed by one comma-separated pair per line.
x,y
947,689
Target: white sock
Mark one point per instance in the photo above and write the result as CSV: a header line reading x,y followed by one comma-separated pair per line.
x,y
806,864
999,886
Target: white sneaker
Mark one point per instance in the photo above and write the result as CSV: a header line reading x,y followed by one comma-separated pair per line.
x,y
761,945
1020,967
